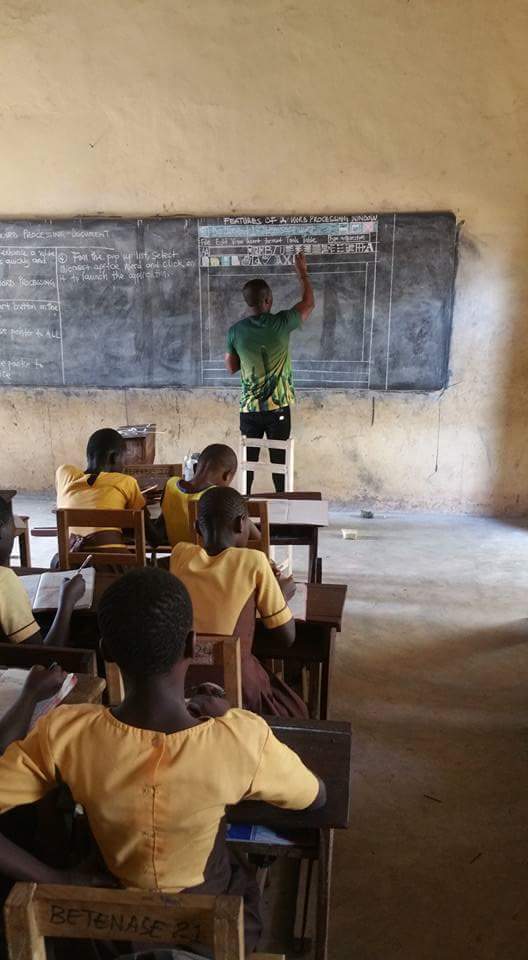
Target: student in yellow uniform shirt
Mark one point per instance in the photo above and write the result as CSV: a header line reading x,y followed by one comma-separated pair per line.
x,y
101,486
216,467
228,584
17,623
154,779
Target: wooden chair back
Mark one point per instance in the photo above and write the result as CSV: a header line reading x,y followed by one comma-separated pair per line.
x,y
148,474
226,669
71,659
115,688
129,555
33,912
257,509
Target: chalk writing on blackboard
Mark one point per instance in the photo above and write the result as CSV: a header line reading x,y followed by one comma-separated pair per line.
x,y
116,303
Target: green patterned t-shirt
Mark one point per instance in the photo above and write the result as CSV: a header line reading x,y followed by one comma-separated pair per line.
x,y
262,343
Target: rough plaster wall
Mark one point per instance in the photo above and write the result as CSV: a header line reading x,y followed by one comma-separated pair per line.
x,y
208,106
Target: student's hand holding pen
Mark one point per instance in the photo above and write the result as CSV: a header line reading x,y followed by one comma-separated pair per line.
x,y
42,683
74,587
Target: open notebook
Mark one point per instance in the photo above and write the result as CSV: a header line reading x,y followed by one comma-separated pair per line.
x,y
43,589
12,680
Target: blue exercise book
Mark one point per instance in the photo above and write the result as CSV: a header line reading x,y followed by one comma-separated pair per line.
x,y
255,834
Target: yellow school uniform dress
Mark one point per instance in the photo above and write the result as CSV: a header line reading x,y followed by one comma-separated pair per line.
x,y
111,491
226,591
17,622
155,802
175,510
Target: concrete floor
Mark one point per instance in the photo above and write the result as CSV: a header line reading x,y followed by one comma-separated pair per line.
x,y
431,670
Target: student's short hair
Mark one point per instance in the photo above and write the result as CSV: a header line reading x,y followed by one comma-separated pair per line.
x,y
100,447
219,456
219,507
145,618
254,292
6,512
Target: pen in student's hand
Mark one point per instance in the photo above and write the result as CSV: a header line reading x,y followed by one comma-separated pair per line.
x,y
84,564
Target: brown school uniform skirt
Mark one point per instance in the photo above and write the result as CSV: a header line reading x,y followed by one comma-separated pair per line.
x,y
263,692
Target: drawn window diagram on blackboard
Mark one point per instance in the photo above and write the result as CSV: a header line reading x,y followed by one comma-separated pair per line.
x,y
335,344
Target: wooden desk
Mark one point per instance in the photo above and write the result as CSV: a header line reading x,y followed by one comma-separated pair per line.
x,y
84,627
319,603
314,644
313,602
296,523
153,475
325,747
318,610
292,523
89,687
22,529
25,655
319,618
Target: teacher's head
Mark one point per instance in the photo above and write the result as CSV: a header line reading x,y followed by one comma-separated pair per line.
x,y
258,295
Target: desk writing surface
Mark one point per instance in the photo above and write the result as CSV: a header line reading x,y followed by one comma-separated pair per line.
x,y
312,513
319,603
324,746
88,689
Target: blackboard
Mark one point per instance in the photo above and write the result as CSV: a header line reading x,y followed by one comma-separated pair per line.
x,y
147,303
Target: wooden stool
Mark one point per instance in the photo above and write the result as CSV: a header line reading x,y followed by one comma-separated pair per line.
x,y
245,465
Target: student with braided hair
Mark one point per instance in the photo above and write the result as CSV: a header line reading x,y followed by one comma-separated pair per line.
x,y
102,486
228,584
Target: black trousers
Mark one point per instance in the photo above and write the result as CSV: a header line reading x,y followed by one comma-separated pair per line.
x,y
275,425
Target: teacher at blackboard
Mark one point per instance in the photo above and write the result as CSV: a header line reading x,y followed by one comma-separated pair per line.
x,y
259,347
